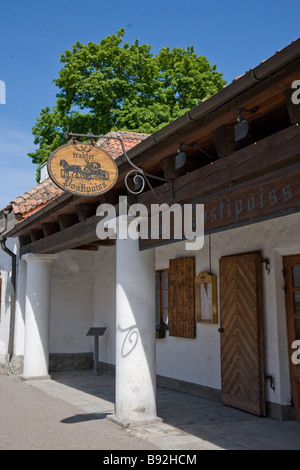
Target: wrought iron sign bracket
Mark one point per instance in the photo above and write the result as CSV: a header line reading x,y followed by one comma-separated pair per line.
x,y
140,177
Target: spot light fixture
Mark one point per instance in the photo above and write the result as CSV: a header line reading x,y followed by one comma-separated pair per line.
x,y
180,158
241,129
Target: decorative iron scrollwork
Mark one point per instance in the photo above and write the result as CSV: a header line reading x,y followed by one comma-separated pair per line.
x,y
140,177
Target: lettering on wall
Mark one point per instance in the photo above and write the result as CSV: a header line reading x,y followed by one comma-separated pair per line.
x,y
265,197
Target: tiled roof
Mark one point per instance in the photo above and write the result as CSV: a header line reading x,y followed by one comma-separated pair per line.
x,y
35,198
113,147
39,196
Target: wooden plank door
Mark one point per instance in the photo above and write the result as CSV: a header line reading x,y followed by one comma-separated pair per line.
x,y
241,333
292,297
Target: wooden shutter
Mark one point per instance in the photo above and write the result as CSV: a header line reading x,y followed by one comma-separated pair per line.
x,y
242,371
181,297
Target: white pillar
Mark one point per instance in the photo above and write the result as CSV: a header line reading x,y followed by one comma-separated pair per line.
x,y
37,315
135,334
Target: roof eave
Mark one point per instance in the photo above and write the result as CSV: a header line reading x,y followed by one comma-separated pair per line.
x,y
265,69
63,198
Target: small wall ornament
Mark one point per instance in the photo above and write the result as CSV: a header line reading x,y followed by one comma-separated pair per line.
x,y
206,298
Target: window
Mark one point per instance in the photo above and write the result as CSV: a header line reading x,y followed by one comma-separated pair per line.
x,y
161,296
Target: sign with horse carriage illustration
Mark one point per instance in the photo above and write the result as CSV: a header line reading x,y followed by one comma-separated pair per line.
x,y
82,169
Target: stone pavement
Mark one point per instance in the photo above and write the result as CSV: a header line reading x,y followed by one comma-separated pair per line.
x,y
82,401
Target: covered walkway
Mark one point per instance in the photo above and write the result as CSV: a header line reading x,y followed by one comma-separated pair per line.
x,y
189,422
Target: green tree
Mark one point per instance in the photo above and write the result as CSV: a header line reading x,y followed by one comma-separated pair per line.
x,y
116,86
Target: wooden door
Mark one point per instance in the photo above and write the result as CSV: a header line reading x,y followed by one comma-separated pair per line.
x,y
292,297
241,333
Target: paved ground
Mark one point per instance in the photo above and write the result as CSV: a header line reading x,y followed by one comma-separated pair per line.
x,y
69,412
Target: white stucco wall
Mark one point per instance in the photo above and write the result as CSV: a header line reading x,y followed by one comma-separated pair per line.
x,y
5,313
19,336
5,310
71,308
105,301
82,296
198,360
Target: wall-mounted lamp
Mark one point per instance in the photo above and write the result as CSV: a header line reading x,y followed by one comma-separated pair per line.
x,y
180,158
266,262
271,380
241,129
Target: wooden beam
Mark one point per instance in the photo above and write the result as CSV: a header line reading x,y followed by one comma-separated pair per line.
x,y
66,220
84,211
95,246
224,140
24,239
86,248
49,228
111,197
36,234
274,152
131,198
168,167
83,233
293,109
108,242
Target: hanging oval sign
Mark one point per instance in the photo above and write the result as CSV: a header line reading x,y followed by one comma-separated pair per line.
x,y
82,169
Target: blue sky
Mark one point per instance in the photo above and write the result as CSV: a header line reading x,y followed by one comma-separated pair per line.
x,y
234,35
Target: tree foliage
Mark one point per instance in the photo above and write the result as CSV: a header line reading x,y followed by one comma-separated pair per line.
x,y
117,86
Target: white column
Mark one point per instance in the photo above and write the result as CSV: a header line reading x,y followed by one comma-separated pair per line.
x,y
135,334
37,315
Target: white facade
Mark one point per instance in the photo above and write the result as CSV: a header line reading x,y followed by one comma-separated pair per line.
x,y
198,360
83,294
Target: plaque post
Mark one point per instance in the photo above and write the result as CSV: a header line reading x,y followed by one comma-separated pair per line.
x,y
96,332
